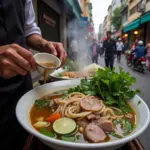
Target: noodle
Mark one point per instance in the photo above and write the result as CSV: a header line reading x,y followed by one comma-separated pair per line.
x,y
70,107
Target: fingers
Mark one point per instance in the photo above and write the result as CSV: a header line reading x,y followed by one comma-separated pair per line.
x,y
51,48
8,74
61,52
20,61
27,55
10,65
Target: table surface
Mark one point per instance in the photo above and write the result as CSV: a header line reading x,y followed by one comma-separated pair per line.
x,y
33,143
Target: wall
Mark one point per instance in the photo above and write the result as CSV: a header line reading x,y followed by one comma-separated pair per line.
x,y
147,7
135,15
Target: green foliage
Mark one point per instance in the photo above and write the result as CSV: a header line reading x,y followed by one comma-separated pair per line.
x,y
112,87
116,18
48,133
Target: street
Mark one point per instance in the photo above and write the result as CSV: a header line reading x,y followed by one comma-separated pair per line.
x,y
142,83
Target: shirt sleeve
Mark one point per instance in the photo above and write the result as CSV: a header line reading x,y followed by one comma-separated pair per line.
x,y
30,25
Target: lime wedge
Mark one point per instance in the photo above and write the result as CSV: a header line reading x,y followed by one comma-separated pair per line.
x,y
64,126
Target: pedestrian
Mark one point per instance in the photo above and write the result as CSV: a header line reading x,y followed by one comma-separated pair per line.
x,y
140,51
148,56
100,48
109,47
94,48
119,48
74,49
18,31
126,45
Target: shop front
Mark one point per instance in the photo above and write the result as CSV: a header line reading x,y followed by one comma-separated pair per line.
x,y
134,32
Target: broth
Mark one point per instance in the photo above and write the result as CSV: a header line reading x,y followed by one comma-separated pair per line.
x,y
47,111
47,69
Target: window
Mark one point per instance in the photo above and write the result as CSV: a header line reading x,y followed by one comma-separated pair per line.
x,y
135,9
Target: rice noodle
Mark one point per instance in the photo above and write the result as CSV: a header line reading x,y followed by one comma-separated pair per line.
x,y
70,107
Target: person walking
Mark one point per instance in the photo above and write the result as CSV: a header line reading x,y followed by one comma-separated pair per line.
x,y
94,48
148,56
109,47
18,32
100,48
119,48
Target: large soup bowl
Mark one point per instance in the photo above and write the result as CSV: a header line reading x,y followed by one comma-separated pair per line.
x,y
26,102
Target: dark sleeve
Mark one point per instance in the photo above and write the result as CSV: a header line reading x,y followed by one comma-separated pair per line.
x,y
104,45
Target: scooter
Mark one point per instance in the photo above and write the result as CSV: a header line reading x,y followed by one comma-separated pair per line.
x,y
140,65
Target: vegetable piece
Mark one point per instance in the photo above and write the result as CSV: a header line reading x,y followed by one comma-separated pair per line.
x,y
64,126
116,135
52,118
48,133
40,119
127,127
69,138
39,104
114,88
40,124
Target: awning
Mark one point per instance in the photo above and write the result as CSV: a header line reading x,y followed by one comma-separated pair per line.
x,y
145,18
76,9
133,25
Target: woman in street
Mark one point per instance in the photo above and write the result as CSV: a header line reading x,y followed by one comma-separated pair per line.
x,y
94,48
18,32
148,56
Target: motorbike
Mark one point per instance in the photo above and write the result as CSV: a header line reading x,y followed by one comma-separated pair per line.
x,y
140,64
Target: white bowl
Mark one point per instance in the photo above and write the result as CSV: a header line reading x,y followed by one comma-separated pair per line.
x,y
44,58
26,102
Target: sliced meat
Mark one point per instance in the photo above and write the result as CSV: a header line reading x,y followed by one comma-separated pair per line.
x,y
83,122
91,116
90,103
106,125
94,133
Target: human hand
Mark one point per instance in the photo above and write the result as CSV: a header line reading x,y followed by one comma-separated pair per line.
x,y
56,49
15,60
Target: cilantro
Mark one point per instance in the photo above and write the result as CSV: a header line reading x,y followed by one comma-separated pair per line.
x,y
112,87
39,104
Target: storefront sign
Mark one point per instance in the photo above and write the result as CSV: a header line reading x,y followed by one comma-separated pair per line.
x,y
83,22
48,20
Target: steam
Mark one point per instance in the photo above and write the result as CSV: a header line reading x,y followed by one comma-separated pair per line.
x,y
81,36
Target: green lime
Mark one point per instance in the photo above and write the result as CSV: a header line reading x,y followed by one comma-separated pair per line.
x,y
64,126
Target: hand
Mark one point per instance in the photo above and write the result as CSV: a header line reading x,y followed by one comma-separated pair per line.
x,y
15,60
55,49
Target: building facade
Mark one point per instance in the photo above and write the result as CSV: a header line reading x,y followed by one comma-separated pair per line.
x,y
108,25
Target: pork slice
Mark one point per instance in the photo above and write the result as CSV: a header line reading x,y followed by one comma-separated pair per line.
x,y
106,125
94,133
83,122
91,116
90,103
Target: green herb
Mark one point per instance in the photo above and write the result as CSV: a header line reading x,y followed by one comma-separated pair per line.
x,y
59,75
116,135
70,65
68,138
117,121
127,127
78,137
139,102
39,104
48,133
112,87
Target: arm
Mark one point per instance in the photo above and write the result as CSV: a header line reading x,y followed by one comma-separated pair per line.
x,y
34,38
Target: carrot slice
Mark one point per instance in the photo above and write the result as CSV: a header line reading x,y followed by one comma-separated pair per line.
x,y
53,117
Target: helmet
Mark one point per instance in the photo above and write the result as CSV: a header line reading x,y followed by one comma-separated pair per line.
x,y
140,43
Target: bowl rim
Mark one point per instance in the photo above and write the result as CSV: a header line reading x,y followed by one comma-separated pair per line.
x,y
124,140
59,62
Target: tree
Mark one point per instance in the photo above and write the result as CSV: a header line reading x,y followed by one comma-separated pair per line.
x,y
116,18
